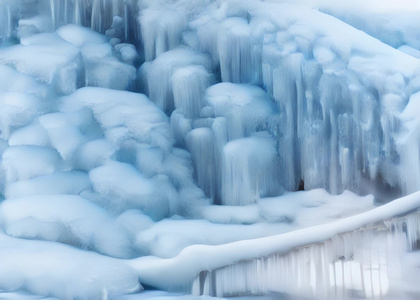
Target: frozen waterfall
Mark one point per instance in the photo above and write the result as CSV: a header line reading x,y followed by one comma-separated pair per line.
x,y
209,147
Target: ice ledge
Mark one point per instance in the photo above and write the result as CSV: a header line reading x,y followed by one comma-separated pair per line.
x,y
398,220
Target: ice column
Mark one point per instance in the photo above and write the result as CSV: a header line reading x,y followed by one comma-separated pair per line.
x,y
161,30
249,170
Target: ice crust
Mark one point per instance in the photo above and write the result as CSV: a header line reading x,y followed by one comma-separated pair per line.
x,y
153,140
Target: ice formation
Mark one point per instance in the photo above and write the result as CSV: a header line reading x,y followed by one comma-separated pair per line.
x,y
321,258
151,138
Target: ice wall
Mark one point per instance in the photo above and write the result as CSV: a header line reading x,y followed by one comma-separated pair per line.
x,y
329,93
337,108
235,101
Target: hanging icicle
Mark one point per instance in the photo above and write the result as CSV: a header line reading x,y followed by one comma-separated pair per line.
x,y
354,264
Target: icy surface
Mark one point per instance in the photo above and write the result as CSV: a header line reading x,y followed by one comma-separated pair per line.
x,y
153,140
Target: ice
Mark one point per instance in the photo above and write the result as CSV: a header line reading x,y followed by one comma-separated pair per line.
x,y
104,70
165,36
236,59
58,60
128,53
409,145
237,268
34,25
220,224
200,144
80,36
304,68
121,182
69,273
249,162
189,85
6,22
33,134
19,109
64,136
46,57
138,118
233,111
246,108
99,15
93,154
175,135
49,217
392,23
157,75
73,183
15,82
25,162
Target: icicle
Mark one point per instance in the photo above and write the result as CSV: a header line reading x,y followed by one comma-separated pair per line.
x,y
158,75
100,19
161,30
248,171
200,143
77,13
53,14
351,265
189,85
126,21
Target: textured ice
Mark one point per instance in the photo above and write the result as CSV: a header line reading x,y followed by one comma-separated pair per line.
x,y
46,57
68,273
25,162
249,161
73,183
80,36
104,70
166,36
393,23
156,76
18,109
262,98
